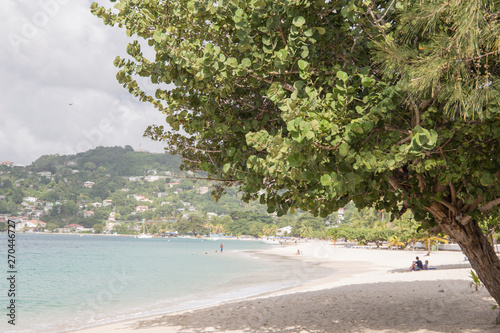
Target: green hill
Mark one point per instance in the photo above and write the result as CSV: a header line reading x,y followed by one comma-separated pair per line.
x,y
117,161
114,188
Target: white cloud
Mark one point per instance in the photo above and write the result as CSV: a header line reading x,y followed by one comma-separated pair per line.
x,y
59,89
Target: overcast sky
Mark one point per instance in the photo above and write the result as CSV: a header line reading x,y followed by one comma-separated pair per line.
x,y
59,91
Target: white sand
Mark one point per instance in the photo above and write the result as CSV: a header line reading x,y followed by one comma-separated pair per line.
x,y
368,291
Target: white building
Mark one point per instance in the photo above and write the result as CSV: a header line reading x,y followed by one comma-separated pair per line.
x,y
151,178
141,209
88,214
88,184
284,231
47,174
203,189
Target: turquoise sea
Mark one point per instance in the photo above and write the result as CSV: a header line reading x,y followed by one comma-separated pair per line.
x,y
68,282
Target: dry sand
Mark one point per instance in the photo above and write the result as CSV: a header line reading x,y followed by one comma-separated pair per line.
x,y
369,290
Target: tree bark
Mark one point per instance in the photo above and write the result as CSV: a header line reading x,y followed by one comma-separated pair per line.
x,y
478,250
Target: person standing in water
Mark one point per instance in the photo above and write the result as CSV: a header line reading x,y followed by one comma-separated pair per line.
x,y
221,248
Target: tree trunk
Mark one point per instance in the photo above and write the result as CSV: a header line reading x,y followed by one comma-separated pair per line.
x,y
478,250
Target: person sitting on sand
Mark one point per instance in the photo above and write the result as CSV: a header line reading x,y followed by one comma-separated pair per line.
x,y
426,265
298,253
417,265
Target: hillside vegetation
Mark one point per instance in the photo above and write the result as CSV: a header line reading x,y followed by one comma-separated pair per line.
x,y
102,189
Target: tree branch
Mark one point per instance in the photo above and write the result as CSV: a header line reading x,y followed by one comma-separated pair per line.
x,y
487,207
417,113
474,205
327,148
449,206
395,184
211,179
285,86
453,193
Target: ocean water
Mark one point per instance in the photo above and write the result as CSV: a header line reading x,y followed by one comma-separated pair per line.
x,y
68,282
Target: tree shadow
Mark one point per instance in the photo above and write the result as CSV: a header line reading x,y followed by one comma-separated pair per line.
x,y
428,306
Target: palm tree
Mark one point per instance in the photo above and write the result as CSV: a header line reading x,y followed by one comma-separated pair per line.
x,y
269,230
208,226
305,231
431,240
394,241
219,229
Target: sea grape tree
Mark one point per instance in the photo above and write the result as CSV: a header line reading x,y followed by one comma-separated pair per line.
x,y
311,104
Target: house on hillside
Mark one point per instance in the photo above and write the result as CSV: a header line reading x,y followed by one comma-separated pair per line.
x,y
151,178
134,178
111,225
203,189
74,226
88,184
284,231
46,174
141,209
89,213
36,213
30,225
107,202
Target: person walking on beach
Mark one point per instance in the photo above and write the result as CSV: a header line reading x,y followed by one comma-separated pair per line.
x,y
221,248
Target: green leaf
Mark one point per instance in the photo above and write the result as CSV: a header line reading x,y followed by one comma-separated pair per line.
x,y
342,75
298,84
232,62
305,52
299,21
246,62
158,36
367,81
303,65
344,149
259,3
321,30
326,180
487,179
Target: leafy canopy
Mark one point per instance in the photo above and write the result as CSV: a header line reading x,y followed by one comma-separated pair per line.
x,y
312,104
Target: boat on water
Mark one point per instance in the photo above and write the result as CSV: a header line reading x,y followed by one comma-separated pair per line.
x,y
144,233
272,241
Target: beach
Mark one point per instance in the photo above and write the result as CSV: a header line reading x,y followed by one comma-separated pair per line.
x,y
369,290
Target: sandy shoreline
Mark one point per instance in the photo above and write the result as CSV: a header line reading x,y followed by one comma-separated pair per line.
x,y
368,291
